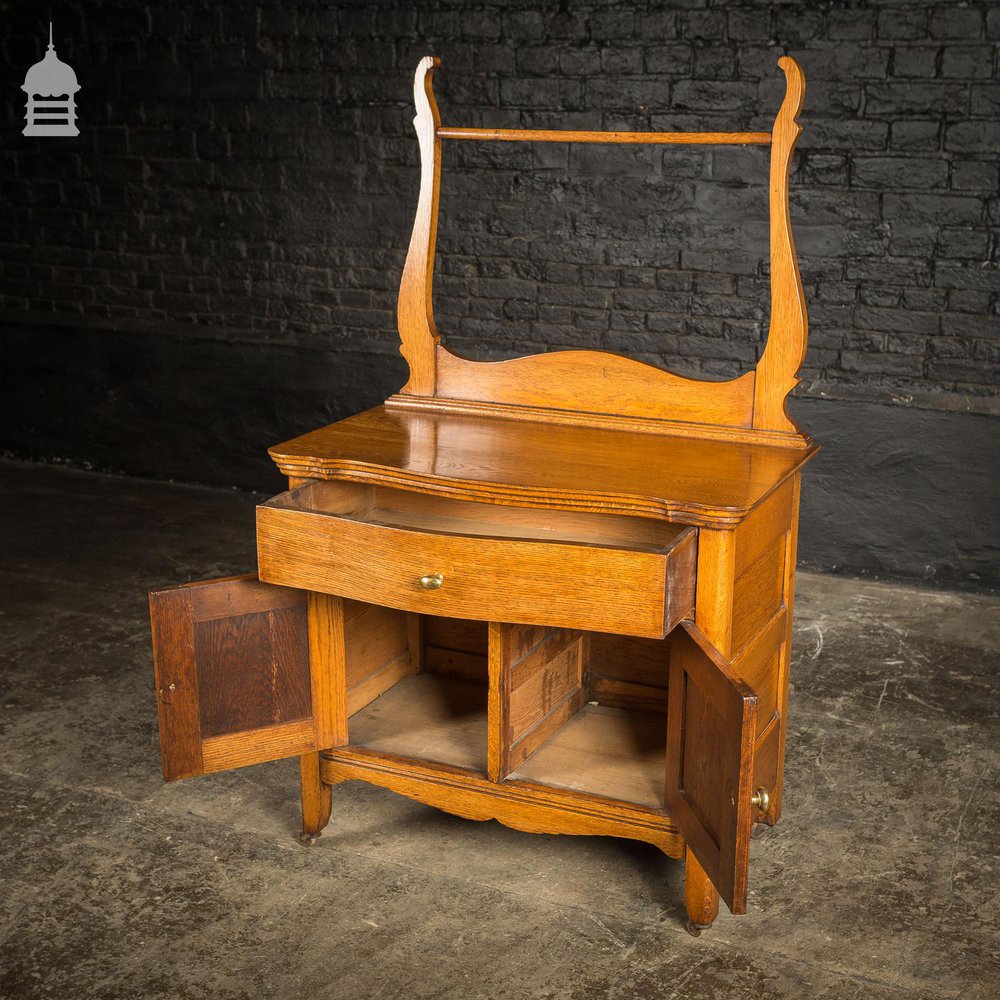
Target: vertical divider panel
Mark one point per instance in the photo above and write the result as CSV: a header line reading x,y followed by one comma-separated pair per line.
x,y
497,745
538,682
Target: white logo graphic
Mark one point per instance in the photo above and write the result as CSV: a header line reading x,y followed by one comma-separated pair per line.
x,y
50,86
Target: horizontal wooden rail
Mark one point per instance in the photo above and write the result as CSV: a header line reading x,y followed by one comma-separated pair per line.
x,y
637,138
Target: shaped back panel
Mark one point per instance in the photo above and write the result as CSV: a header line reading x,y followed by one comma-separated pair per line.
x,y
596,386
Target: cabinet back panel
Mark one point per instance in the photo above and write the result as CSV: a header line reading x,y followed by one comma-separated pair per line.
x,y
456,647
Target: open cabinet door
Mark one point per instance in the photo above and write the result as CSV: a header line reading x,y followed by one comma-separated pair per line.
x,y
234,680
711,722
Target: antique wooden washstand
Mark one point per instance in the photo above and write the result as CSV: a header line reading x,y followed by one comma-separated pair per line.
x,y
555,591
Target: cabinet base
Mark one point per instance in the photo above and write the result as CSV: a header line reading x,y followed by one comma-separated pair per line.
x,y
519,805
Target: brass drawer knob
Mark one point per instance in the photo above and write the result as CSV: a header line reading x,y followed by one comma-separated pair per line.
x,y
761,799
432,581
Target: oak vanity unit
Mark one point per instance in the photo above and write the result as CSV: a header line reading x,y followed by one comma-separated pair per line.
x,y
555,591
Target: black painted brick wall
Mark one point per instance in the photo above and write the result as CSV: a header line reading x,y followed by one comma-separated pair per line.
x,y
249,171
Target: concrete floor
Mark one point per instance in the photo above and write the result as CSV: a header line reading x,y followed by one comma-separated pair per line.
x,y
880,881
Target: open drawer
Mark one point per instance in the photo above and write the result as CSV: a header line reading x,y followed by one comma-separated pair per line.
x,y
464,559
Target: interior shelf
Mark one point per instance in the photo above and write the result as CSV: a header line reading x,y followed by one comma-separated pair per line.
x,y
429,717
610,752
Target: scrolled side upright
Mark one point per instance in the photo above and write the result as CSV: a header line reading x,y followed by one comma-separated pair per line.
x,y
414,311
785,349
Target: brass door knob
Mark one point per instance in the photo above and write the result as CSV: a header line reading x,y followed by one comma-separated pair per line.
x,y
761,799
432,581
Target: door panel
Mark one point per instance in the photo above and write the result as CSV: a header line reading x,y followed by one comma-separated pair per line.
x,y
711,723
234,676
253,670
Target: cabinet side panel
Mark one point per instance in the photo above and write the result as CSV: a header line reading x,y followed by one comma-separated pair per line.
x,y
763,592
377,652
785,657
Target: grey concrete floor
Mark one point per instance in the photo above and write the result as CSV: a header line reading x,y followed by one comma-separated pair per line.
x,y
880,880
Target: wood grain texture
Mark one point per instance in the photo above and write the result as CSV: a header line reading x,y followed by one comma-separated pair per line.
x,y
381,647
446,515
624,694
637,661
715,576
626,138
457,635
317,797
455,662
253,670
519,805
701,898
232,675
757,665
544,688
610,752
542,679
544,465
757,594
380,680
628,672
765,765
785,348
171,615
231,596
415,311
427,717
592,382
373,637
596,382
785,656
255,746
710,761
508,645
498,702
327,658
599,421
484,578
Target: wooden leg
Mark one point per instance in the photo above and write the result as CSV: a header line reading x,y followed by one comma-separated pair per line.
x,y
701,897
317,799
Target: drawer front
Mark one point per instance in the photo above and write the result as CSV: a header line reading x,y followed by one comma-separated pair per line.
x,y
488,579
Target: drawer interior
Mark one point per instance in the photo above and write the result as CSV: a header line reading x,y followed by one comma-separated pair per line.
x,y
413,511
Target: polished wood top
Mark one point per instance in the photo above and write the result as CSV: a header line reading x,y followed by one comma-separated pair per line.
x,y
689,480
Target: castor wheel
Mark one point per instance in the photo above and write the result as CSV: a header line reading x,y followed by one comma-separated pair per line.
x,y
308,839
695,929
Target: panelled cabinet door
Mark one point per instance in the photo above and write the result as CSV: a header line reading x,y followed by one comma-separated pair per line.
x,y
711,723
233,677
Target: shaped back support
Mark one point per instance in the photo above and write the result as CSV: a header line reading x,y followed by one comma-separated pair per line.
x,y
597,387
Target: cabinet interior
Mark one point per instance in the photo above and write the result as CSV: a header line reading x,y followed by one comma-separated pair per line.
x,y
430,701
575,710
